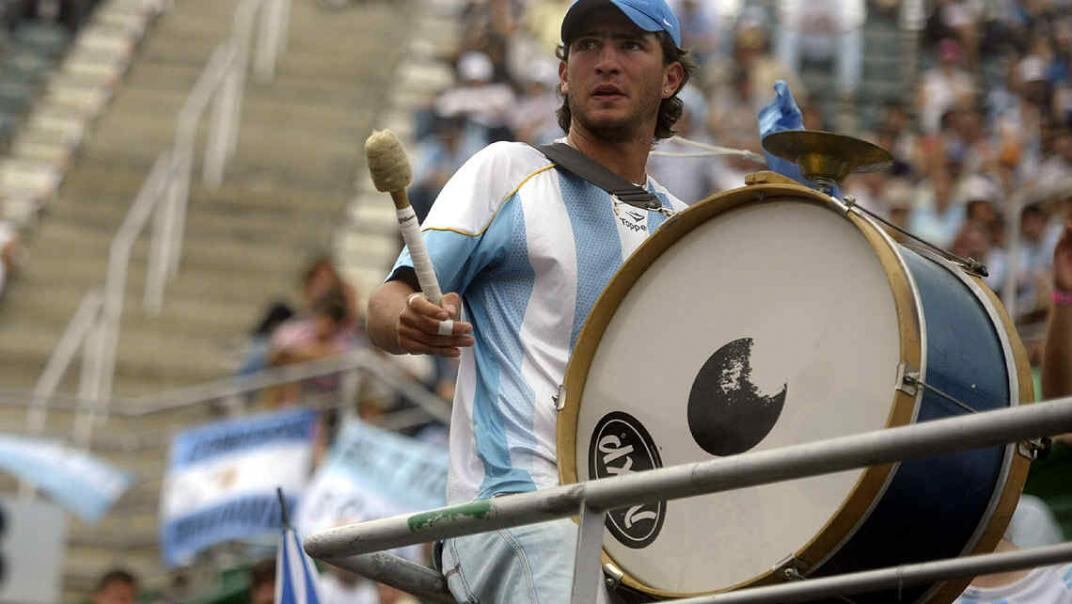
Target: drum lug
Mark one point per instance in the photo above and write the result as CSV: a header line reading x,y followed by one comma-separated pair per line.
x,y
791,569
907,379
612,575
1036,448
559,398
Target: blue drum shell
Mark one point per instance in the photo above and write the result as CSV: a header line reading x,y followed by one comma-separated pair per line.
x,y
934,508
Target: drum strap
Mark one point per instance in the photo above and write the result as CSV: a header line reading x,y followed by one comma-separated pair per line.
x,y
573,161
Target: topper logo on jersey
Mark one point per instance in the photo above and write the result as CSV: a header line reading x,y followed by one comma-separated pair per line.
x,y
620,445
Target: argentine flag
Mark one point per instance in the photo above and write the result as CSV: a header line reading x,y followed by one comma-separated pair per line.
x,y
295,575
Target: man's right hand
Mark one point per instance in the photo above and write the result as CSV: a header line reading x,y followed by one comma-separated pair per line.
x,y
425,328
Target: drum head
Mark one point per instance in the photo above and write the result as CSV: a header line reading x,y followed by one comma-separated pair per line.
x,y
771,323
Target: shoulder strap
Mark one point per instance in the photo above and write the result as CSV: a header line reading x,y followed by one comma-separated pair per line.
x,y
582,166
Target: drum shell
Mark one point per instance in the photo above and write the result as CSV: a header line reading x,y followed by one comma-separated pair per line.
x,y
864,521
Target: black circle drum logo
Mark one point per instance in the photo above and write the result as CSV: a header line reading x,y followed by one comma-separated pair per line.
x,y
620,445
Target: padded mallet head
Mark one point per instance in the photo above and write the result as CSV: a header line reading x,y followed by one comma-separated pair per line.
x,y
387,161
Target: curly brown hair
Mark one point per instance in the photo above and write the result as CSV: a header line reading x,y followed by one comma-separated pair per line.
x,y
669,110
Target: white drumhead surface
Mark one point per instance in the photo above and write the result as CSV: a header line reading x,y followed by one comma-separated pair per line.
x,y
804,285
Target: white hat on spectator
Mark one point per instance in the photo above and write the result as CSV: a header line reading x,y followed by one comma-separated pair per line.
x,y
542,72
898,194
1032,69
976,188
475,66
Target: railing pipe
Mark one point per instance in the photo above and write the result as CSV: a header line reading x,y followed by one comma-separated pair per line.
x,y
107,338
81,324
273,16
892,578
243,35
219,135
426,584
375,368
156,271
70,342
748,469
429,404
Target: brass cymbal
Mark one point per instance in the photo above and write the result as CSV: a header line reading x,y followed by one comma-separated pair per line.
x,y
826,155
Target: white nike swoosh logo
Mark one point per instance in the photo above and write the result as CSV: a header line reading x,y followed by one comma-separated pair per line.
x,y
668,24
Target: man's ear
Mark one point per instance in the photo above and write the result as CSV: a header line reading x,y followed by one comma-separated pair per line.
x,y
673,76
563,81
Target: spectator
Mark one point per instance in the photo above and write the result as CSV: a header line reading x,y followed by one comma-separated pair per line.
x,y
324,332
830,30
260,339
117,586
322,277
699,28
1056,170
262,582
533,118
437,157
936,217
9,253
477,97
944,87
1057,357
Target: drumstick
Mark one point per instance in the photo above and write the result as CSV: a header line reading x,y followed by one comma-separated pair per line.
x,y
389,166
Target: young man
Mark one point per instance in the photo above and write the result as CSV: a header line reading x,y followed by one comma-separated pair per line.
x,y
526,250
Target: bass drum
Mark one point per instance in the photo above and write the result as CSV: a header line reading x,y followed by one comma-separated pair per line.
x,y
770,316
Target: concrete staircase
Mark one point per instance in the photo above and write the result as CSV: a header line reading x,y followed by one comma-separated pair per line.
x,y
246,242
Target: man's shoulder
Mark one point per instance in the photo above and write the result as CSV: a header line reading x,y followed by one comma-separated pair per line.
x,y
474,195
509,160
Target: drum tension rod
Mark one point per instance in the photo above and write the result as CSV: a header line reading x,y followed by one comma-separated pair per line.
x,y
1032,449
969,264
792,573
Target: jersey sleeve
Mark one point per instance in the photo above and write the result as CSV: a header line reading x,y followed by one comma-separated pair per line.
x,y
456,227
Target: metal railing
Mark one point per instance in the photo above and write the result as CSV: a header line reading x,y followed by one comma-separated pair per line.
x,y
352,369
348,547
163,198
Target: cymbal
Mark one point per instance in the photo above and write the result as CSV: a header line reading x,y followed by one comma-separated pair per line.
x,y
827,156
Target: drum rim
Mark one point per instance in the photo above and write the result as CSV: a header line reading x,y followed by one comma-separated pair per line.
x,y
857,506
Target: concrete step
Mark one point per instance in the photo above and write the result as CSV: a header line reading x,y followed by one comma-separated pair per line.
x,y
166,356
61,240
115,179
218,319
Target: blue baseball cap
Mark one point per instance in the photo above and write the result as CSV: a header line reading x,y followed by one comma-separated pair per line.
x,y
648,15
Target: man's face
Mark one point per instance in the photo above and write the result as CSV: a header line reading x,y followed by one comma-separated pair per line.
x,y
115,592
615,78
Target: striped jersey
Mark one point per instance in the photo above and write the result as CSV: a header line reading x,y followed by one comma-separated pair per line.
x,y
529,249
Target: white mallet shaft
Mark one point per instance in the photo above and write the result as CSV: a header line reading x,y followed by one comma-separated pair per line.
x,y
389,166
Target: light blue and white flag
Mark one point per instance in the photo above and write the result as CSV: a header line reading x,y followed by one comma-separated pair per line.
x,y
77,481
296,579
372,473
222,479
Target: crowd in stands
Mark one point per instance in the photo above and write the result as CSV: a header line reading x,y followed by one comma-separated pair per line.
x,y
987,126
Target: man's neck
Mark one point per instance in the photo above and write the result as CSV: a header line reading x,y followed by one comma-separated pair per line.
x,y
628,159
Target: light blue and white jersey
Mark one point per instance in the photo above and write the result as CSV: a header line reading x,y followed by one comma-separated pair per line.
x,y
529,249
